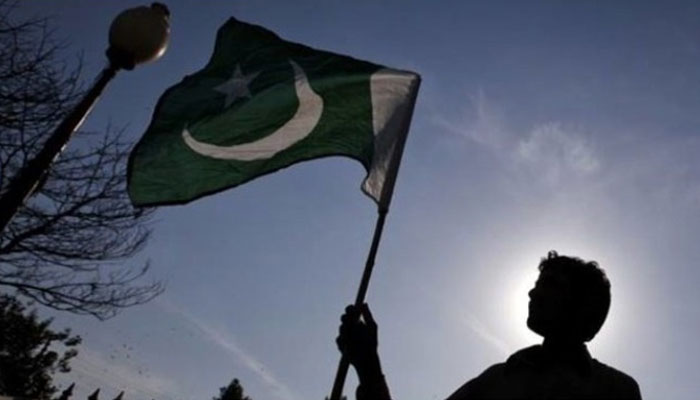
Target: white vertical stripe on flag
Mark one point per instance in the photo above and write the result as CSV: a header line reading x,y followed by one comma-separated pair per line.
x,y
393,98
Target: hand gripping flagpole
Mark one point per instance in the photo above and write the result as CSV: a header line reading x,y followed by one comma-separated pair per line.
x,y
344,364
136,35
383,210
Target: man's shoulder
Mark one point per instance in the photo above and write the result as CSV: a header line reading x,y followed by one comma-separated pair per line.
x,y
474,388
615,379
607,370
520,375
495,378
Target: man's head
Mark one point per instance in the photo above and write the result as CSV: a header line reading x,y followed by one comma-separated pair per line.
x,y
570,300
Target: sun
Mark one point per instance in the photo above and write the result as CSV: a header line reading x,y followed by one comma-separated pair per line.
x,y
522,279
522,272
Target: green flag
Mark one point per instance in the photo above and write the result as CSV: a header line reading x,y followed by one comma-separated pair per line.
x,y
262,104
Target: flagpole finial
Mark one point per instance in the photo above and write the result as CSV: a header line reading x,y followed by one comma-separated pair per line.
x,y
139,35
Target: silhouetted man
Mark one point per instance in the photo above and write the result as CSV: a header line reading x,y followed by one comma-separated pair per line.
x,y
568,306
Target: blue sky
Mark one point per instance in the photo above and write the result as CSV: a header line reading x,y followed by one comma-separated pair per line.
x,y
540,125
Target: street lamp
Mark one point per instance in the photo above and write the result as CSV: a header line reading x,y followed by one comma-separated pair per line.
x,y
139,35
136,36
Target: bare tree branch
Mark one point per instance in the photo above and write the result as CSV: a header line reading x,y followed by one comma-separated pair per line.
x,y
63,247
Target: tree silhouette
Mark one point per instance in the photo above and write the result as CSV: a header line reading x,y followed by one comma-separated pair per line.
x,y
234,391
27,356
61,248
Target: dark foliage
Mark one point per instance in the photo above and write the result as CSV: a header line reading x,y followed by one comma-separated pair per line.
x,y
234,391
28,358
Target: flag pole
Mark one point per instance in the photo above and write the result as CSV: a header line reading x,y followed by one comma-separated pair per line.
x,y
387,191
344,363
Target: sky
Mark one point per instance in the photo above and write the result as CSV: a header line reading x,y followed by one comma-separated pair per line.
x,y
540,125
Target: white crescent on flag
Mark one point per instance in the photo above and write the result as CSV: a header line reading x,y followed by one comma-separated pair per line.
x,y
297,128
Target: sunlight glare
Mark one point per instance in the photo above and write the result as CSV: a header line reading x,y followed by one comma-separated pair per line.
x,y
523,275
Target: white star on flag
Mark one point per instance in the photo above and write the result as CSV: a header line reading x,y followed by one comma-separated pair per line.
x,y
236,86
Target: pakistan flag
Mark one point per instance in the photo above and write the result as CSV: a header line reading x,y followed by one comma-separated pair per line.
x,y
262,104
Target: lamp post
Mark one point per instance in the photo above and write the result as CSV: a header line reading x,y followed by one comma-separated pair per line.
x,y
136,36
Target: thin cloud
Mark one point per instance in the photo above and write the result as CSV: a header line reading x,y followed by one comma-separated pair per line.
x,y
549,151
481,121
555,152
478,327
227,342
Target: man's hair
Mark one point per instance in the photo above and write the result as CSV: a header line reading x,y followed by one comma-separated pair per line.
x,y
590,290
